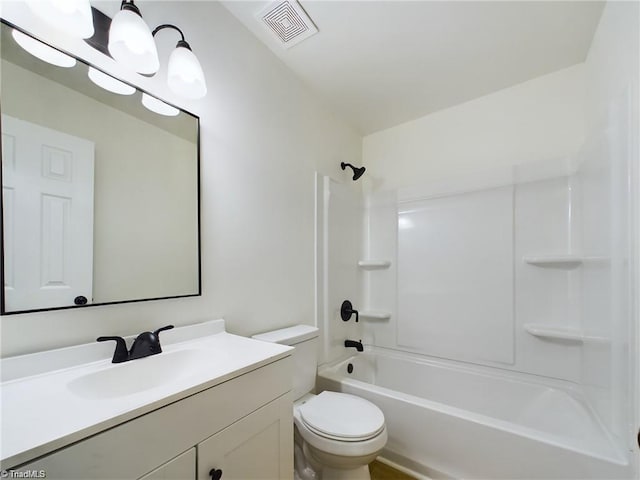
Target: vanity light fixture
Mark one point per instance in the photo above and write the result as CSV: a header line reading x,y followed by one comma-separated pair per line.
x,y
42,51
158,106
71,16
131,42
109,83
184,72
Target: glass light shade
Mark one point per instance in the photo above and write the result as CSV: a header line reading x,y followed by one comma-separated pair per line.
x,y
71,16
158,106
42,51
131,43
109,83
184,74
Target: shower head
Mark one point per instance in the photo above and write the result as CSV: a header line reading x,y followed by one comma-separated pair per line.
x,y
357,172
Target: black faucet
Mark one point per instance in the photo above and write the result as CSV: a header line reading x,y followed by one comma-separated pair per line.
x,y
145,344
352,343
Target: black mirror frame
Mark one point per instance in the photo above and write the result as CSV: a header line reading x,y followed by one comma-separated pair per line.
x,y
3,310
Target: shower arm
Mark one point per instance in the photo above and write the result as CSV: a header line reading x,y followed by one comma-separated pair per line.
x,y
357,171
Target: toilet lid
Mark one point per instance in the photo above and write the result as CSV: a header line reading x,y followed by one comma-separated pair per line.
x,y
342,416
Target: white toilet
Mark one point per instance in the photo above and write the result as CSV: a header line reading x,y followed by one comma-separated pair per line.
x,y
336,434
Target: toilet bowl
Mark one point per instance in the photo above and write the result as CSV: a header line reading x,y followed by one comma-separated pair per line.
x,y
340,434
336,435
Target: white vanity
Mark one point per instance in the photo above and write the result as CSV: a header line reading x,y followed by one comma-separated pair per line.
x,y
211,405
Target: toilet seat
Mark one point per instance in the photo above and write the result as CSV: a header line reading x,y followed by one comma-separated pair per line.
x,y
341,448
342,417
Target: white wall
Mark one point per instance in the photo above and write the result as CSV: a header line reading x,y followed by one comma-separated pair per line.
x,y
262,137
539,119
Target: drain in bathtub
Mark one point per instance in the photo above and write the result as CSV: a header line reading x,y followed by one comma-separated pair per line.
x,y
350,368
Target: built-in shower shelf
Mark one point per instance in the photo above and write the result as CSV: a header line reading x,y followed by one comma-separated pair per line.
x,y
374,264
554,261
555,333
375,314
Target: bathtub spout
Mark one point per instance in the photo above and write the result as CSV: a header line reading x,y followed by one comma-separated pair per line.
x,y
352,343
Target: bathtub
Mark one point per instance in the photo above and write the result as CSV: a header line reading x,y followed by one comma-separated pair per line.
x,y
449,420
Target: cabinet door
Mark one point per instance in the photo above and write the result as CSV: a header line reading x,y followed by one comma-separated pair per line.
x,y
182,467
259,446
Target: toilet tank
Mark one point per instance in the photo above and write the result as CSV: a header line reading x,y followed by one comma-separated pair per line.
x,y
304,339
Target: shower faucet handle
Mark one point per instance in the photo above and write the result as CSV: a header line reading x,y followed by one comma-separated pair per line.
x,y
346,310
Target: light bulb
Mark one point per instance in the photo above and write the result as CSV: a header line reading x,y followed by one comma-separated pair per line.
x,y
131,43
184,74
43,51
71,16
109,83
158,106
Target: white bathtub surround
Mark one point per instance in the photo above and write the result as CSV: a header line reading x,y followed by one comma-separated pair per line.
x,y
611,213
547,237
463,290
338,246
464,421
452,248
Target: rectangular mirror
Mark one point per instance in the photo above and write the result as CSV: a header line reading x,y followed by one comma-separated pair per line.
x,y
100,196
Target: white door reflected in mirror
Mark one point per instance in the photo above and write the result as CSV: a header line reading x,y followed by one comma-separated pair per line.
x,y
48,183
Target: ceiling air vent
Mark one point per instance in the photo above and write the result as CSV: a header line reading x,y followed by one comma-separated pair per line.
x,y
288,21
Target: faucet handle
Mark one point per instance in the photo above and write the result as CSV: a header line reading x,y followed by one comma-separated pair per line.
x,y
346,310
147,343
162,329
121,354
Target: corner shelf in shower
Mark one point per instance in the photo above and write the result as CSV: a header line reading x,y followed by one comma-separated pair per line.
x,y
375,314
566,261
555,333
374,264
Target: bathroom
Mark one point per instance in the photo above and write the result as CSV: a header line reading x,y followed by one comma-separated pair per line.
x,y
540,143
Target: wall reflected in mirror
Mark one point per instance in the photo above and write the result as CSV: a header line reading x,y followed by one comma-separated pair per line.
x,y
100,194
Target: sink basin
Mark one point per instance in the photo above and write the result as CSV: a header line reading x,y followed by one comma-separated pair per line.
x,y
138,375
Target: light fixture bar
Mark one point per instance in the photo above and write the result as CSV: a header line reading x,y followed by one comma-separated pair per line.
x,y
100,38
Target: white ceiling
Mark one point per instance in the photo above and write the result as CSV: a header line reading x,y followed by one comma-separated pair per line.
x,y
382,63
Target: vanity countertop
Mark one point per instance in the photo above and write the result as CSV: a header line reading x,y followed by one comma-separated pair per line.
x,y
45,411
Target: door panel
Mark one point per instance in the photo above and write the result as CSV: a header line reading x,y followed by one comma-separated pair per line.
x,y
48,209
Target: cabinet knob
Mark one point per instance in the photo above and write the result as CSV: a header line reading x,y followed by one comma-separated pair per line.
x,y
216,474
